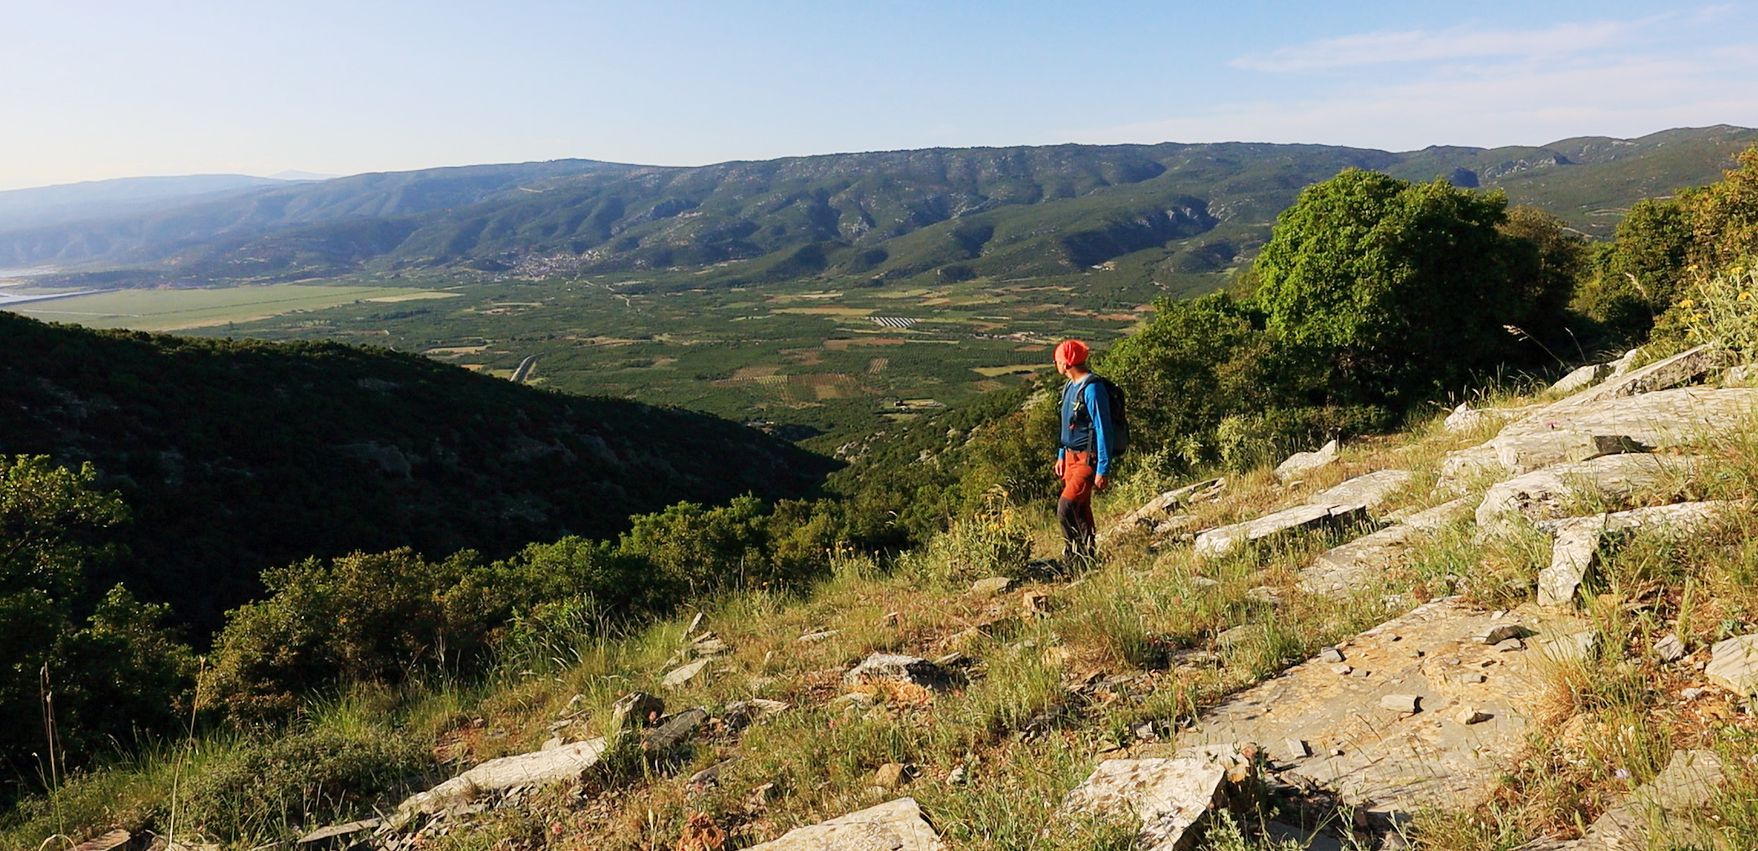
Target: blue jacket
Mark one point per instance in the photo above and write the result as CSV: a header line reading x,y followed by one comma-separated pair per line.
x,y
1079,431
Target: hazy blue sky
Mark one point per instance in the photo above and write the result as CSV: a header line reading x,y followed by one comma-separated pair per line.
x,y
94,90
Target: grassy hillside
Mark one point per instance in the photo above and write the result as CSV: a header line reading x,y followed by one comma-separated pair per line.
x,y
236,456
1048,679
949,214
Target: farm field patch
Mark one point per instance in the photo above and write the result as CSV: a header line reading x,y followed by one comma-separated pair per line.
x,y
187,309
816,363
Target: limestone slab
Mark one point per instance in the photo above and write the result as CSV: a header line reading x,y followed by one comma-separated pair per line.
x,y
1385,762
1301,463
1365,491
1172,797
1582,378
1689,780
1347,566
1580,541
1733,664
1545,494
1523,453
1220,541
1680,369
537,768
896,667
682,675
1660,420
893,826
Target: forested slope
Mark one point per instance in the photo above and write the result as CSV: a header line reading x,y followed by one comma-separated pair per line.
x,y
237,456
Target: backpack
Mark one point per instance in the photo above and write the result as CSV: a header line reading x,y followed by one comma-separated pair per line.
x,y
1117,434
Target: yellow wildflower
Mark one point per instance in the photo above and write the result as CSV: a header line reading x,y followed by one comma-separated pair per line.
x,y
1745,295
1687,304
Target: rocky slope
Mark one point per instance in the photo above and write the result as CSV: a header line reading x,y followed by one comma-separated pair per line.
x,y
1371,740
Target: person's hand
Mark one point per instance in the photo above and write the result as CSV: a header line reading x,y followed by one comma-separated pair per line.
x,y
1099,482
1060,466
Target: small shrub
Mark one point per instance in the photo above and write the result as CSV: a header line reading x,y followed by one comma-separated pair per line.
x,y
993,542
1720,308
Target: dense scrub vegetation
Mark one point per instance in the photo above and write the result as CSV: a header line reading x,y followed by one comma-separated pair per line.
x,y
1228,380
236,455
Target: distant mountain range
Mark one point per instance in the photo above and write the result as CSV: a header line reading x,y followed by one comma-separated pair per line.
x,y
946,214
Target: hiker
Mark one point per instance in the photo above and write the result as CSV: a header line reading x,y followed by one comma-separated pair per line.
x,y
1083,457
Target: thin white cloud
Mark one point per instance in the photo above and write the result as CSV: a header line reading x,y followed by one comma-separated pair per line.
x,y
1378,48
1524,102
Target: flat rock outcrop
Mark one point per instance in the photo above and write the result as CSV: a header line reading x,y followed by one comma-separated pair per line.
x,y
1171,796
897,667
1301,463
1546,494
1655,420
1580,541
1689,780
1220,541
1366,491
1582,377
1344,567
1433,659
537,768
893,826
1733,664
1681,369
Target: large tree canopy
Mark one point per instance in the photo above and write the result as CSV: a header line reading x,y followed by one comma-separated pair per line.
x,y
1400,287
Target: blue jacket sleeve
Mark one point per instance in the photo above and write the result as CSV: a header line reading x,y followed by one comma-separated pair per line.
x,y
1099,410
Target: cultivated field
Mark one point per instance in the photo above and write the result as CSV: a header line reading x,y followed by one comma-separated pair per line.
x,y
187,309
822,364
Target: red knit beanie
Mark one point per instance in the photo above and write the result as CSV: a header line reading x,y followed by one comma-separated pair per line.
x,y
1071,353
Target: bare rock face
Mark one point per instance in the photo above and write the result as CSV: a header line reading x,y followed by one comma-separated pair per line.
x,y
1543,494
537,768
1390,762
1172,797
1301,463
1677,371
1658,420
683,675
894,826
1367,492
1527,452
1580,541
1346,566
1467,418
1733,664
1217,542
1582,377
1689,780
898,668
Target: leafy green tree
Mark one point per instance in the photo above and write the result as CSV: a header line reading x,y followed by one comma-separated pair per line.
x,y
1557,259
1194,363
701,549
108,667
1724,217
1400,288
1642,272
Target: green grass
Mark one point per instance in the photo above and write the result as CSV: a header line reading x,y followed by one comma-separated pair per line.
x,y
1020,735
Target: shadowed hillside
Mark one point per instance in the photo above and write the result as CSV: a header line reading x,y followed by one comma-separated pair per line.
x,y
236,456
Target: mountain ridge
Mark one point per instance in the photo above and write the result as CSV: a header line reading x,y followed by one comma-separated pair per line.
x,y
944,213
